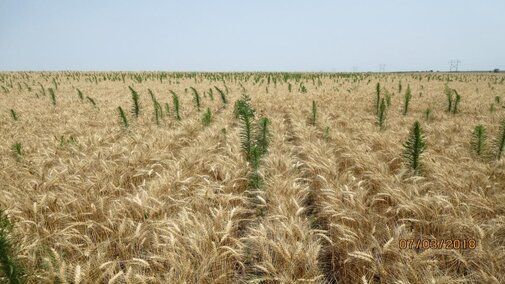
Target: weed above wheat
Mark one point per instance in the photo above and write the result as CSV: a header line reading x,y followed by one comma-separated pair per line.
x,y
414,148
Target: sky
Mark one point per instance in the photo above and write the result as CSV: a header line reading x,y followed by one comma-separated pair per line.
x,y
260,35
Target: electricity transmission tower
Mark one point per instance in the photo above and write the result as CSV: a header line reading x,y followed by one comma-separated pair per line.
x,y
453,65
382,67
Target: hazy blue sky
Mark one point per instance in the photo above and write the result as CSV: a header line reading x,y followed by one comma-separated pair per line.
x,y
261,35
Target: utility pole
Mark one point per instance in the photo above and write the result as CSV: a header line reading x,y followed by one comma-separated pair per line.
x,y
453,65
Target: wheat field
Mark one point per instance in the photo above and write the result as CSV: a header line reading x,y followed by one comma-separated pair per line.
x,y
89,196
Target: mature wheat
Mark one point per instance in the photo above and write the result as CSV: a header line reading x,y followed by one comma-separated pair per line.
x,y
185,203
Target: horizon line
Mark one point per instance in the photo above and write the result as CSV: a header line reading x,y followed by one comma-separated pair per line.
x,y
496,70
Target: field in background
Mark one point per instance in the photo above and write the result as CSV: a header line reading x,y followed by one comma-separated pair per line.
x,y
167,200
